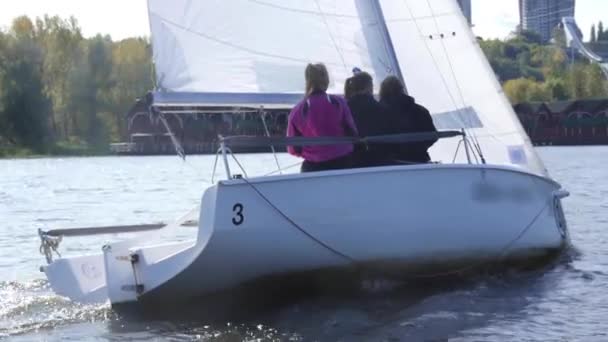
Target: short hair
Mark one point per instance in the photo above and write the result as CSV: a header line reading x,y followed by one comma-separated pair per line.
x,y
317,78
391,87
360,83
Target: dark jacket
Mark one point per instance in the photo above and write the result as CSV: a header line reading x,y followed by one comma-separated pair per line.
x,y
412,118
371,118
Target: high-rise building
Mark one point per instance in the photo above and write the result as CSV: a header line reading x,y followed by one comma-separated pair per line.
x,y
465,5
542,16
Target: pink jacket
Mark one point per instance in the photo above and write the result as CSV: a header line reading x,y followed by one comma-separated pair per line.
x,y
321,115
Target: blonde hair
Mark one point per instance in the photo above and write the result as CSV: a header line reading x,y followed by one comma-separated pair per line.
x,y
317,78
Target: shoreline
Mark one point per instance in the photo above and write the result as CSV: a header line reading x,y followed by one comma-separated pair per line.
x,y
28,154
58,150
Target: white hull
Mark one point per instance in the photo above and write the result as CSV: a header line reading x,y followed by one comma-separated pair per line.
x,y
406,215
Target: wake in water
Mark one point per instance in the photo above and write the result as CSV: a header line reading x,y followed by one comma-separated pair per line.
x,y
433,309
32,307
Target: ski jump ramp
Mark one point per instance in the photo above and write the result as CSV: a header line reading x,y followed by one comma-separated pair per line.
x,y
574,40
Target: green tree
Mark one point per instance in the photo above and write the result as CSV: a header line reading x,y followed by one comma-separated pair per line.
x,y
577,82
529,37
88,86
593,36
56,85
596,81
517,90
25,107
3,117
131,78
557,88
60,40
559,37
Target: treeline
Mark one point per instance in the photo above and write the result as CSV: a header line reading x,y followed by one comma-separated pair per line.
x,y
598,35
61,92
531,71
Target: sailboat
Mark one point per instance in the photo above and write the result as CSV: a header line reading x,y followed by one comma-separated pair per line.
x,y
487,198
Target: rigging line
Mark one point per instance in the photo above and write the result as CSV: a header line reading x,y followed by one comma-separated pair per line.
x,y
331,36
238,47
444,80
267,131
284,169
291,9
402,20
178,147
458,87
457,150
298,227
503,251
445,52
435,62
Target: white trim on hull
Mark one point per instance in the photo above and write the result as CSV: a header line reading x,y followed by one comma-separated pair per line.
x,y
404,215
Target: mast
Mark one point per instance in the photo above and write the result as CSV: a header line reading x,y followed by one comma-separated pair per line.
x,y
388,42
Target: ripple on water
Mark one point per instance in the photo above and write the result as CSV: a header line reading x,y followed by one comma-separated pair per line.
x,y
32,307
568,302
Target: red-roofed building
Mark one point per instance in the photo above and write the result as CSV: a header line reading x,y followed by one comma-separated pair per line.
x,y
582,122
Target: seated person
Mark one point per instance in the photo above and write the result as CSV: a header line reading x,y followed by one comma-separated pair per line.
x,y
321,115
371,117
411,118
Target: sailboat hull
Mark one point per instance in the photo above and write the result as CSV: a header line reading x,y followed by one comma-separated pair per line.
x,y
396,219
401,222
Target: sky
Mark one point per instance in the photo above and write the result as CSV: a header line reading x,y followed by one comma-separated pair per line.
x,y
126,18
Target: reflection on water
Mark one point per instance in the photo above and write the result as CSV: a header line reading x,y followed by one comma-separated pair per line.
x,y
564,301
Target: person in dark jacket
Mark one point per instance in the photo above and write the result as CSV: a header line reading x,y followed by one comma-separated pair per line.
x,y
411,118
371,118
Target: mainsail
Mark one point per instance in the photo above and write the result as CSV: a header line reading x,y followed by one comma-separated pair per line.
x,y
446,71
262,46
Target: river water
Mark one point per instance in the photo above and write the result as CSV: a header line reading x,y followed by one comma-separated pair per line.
x,y
565,301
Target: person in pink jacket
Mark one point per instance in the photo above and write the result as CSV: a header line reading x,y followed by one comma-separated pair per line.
x,y
321,115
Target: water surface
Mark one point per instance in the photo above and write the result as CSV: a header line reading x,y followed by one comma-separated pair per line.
x,y
566,301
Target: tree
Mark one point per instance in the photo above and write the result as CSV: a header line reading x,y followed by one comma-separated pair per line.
x,y
131,78
517,90
596,81
88,84
60,40
555,63
600,31
593,37
557,88
57,86
3,117
577,82
25,108
559,37
530,37
539,92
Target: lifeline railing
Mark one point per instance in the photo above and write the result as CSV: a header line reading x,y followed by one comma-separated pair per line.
x,y
226,143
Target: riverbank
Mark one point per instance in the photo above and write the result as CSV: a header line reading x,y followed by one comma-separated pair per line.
x,y
61,149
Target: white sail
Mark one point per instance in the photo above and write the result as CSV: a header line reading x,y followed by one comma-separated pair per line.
x,y
263,46
446,71
222,50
